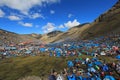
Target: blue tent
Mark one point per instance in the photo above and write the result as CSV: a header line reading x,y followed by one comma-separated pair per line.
x,y
90,65
105,68
85,79
58,52
79,77
98,63
70,64
118,57
94,59
42,49
71,77
51,49
70,48
91,69
109,77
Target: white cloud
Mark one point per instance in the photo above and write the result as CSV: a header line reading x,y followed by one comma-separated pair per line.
x,y
36,15
14,18
49,27
71,24
52,12
26,24
24,5
61,26
1,13
70,15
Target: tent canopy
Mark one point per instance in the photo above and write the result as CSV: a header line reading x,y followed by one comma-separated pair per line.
x,y
108,77
118,57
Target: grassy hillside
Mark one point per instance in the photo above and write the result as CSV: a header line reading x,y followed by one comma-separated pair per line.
x,y
104,27
15,68
51,37
72,33
106,23
28,37
8,37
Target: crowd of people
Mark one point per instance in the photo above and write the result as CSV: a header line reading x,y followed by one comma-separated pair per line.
x,y
27,48
108,45
104,45
88,69
94,69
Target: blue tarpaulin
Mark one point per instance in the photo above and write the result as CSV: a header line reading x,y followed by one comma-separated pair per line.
x,y
42,49
70,64
109,77
118,57
58,52
98,63
90,65
105,68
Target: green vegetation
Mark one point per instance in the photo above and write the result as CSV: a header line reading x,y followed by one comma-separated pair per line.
x,y
15,68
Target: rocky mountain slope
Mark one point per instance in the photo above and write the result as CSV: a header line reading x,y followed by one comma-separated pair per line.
x,y
10,37
106,23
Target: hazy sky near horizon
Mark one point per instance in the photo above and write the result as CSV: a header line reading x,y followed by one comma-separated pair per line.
x,y
43,16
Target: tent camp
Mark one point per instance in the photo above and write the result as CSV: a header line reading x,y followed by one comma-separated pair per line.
x,y
118,57
70,64
103,53
98,63
108,77
42,49
28,52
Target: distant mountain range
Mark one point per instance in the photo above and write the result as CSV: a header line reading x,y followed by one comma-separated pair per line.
x,y
10,37
106,23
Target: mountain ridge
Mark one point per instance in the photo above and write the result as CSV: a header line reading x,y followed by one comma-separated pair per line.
x,y
107,22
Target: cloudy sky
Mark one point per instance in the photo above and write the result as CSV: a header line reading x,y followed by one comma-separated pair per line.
x,y
43,16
